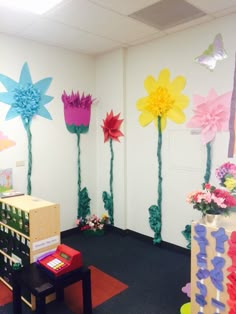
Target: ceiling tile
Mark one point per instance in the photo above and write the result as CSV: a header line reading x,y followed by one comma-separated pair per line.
x,y
168,13
212,6
61,35
98,26
190,24
123,6
12,22
224,12
85,15
147,38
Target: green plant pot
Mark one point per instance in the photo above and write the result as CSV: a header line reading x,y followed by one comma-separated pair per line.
x,y
90,232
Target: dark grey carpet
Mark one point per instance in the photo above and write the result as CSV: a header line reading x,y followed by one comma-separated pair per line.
x,y
153,274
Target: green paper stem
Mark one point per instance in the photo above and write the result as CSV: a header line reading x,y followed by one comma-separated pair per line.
x,y
111,183
155,211
208,163
79,214
159,146
83,207
79,171
29,137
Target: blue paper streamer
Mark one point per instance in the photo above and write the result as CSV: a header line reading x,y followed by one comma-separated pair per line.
x,y
220,237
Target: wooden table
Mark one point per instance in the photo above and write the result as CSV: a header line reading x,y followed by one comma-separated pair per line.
x,y
42,283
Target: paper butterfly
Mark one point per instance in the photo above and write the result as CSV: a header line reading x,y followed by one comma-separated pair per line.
x,y
215,52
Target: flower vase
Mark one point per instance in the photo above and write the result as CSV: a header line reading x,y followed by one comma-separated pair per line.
x,y
211,219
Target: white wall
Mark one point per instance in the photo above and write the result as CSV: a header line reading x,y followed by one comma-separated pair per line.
x,y
116,80
54,149
110,88
183,155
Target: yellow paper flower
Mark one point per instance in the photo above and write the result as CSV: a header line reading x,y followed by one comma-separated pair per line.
x,y
164,100
230,183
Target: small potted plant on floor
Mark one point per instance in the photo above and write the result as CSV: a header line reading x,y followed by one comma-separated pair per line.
x,y
93,225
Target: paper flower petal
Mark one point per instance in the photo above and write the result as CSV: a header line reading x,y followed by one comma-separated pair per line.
x,y
5,142
7,82
176,115
163,78
164,100
25,77
111,125
145,118
150,84
211,114
25,98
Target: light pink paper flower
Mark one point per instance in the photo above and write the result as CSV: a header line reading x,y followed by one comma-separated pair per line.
x,y
211,114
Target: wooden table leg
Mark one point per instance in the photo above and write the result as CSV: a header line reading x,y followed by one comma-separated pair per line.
x,y
87,298
40,305
16,295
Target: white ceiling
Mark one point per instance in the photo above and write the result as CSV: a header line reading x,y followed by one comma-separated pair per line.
x,y
97,26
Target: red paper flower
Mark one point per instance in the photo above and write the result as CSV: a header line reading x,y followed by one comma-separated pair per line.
x,y
111,127
232,278
231,291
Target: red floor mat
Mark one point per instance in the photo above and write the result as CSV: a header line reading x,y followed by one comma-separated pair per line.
x,y
104,287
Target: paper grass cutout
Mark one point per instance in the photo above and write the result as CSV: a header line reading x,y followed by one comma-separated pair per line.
x,y
5,142
187,234
232,120
77,114
211,115
164,100
215,52
111,129
26,100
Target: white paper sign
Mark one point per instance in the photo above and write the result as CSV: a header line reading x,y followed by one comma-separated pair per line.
x,y
45,242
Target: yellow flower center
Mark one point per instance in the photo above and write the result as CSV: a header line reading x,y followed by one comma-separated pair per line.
x,y
159,102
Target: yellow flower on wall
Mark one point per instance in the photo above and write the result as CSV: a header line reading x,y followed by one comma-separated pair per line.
x,y
164,100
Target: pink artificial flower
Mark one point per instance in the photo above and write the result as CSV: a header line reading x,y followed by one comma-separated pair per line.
x,y
229,200
207,186
211,114
77,111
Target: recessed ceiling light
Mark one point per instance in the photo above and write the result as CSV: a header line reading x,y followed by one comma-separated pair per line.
x,y
34,6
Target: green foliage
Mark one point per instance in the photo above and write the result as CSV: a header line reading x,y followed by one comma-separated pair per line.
x,y
108,205
187,234
84,204
155,222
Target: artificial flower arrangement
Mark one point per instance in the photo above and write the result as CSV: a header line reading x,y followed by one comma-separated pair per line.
x,y
211,200
92,223
226,174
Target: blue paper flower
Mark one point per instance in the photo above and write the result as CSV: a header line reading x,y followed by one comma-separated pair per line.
x,y
25,98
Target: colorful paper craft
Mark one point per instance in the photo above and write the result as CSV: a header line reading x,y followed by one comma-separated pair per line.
x,y
5,142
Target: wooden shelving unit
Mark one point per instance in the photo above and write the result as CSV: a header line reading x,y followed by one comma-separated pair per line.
x,y
29,227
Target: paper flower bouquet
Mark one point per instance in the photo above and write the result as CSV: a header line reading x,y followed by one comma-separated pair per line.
x,y
226,174
211,200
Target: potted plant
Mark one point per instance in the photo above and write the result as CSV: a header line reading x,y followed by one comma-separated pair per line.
x,y
211,201
92,225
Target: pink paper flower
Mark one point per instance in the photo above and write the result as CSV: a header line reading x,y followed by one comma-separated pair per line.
x,y
77,111
211,114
